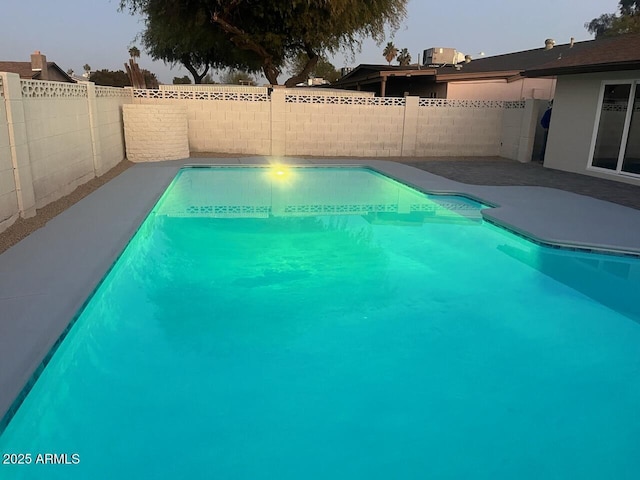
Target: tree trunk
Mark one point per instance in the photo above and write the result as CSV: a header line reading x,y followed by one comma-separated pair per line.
x,y
135,75
197,77
271,72
304,74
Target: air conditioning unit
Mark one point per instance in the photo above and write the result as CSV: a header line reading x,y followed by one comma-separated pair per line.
x,y
440,56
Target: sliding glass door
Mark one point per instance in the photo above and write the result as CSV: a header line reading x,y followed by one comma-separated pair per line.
x,y
631,158
617,144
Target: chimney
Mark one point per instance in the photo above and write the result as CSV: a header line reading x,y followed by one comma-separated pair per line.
x,y
467,59
571,42
39,64
549,43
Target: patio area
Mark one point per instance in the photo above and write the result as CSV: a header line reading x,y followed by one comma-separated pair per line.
x,y
46,277
500,171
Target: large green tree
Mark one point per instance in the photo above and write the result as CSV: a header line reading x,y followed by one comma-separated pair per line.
x,y
627,20
118,78
182,34
272,32
238,77
110,78
182,80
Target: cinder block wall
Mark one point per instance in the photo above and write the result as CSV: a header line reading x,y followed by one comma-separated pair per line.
x,y
156,132
109,101
230,126
299,122
343,129
228,122
54,136
511,125
520,126
8,196
459,128
59,133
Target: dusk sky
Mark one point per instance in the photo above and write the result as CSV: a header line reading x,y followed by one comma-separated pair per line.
x,y
74,32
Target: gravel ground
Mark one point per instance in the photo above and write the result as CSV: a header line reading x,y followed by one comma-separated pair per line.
x,y
24,226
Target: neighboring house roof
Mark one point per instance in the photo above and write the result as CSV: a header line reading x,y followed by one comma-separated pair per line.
x,y
519,61
602,55
24,70
507,66
79,78
367,73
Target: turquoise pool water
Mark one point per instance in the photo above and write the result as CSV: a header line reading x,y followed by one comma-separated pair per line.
x,y
332,323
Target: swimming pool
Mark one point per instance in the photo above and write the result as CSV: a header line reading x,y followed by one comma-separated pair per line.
x,y
287,323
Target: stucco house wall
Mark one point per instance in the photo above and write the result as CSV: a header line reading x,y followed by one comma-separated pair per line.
x,y
573,121
501,89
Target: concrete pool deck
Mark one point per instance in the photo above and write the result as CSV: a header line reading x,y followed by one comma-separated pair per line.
x,y
46,278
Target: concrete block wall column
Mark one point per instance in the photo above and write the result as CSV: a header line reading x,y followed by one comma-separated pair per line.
x,y
528,130
410,127
278,122
95,129
156,132
19,141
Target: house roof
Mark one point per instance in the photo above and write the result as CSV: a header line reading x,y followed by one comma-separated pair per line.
x,y
602,55
366,73
24,70
520,61
508,65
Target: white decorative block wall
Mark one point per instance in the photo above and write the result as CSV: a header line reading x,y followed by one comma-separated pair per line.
x,y
339,125
60,138
220,120
8,197
156,132
453,128
54,136
109,101
302,122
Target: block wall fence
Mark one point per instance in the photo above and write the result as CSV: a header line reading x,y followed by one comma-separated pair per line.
x,y
55,136
293,122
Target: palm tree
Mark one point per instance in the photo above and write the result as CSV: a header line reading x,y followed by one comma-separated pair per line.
x,y
390,52
404,58
87,70
134,52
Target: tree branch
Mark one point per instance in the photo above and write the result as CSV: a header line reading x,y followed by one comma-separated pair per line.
x,y
244,41
309,66
197,77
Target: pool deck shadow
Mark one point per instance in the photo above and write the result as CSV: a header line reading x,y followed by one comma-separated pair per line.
x,y
46,278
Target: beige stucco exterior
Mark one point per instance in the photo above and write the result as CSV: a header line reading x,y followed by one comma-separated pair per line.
x,y
502,89
572,123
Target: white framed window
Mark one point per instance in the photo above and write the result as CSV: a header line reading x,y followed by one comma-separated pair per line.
x,y
615,146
